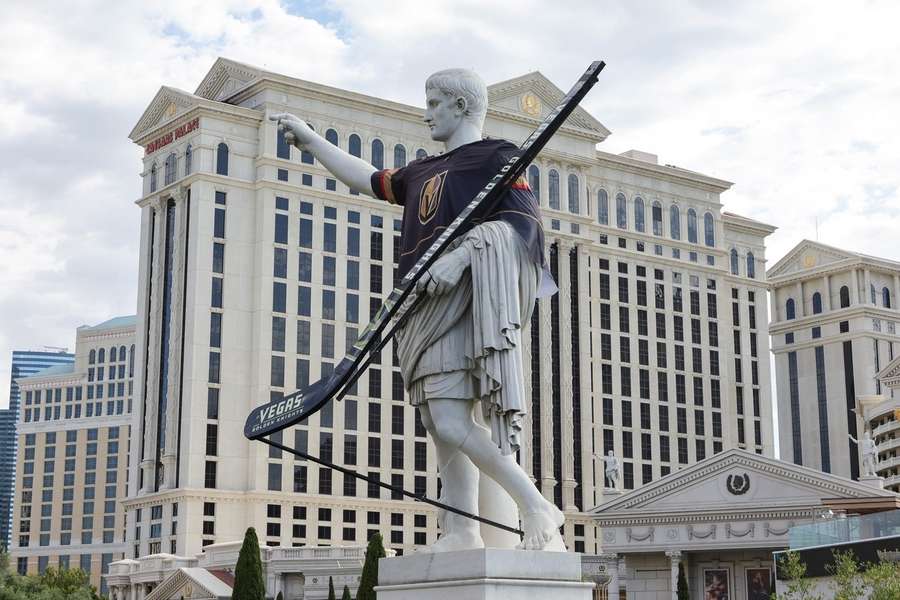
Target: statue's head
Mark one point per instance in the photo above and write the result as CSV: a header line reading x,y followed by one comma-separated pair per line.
x,y
453,97
609,453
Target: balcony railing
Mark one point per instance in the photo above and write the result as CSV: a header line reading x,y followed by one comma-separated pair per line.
x,y
848,529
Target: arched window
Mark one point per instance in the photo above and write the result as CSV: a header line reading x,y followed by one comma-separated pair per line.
x,y
734,262
751,265
574,203
101,355
112,354
222,159
534,181
602,207
331,137
399,156
817,303
307,158
789,312
554,189
153,178
621,214
188,159
282,148
354,145
122,353
674,222
657,218
131,361
709,230
92,357
692,226
886,297
420,154
638,214
170,169
377,154
873,294
845,296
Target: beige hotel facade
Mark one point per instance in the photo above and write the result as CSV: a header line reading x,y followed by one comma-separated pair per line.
x,y
257,270
72,466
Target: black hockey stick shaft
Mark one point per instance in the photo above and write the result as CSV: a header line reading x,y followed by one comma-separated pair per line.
x,y
298,406
393,488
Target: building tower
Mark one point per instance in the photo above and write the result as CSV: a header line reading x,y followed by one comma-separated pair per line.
x,y
257,270
833,330
74,439
24,363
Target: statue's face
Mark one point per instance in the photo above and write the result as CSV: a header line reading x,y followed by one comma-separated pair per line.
x,y
443,113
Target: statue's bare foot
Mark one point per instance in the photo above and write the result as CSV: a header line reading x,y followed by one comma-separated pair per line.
x,y
542,530
458,540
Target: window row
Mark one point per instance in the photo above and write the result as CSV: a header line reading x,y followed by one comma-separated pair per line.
x,y
635,217
354,147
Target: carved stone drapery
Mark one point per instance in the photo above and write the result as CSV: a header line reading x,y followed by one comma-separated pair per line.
x,y
731,532
693,533
632,536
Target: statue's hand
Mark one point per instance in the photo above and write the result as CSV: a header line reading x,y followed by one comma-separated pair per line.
x,y
444,274
296,132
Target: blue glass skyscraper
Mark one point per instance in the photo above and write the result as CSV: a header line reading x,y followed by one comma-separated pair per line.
x,y
24,364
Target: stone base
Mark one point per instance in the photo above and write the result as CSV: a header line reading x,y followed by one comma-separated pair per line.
x,y
488,574
873,481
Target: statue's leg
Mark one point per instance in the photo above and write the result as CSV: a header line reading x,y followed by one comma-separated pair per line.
x,y
455,426
459,489
496,504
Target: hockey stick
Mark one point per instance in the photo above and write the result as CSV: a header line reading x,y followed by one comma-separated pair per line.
x,y
300,405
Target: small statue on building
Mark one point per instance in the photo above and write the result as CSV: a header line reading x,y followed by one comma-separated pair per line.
x,y
612,470
869,450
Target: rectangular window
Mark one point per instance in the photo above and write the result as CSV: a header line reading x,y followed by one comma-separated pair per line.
x,y
281,229
306,233
274,483
219,223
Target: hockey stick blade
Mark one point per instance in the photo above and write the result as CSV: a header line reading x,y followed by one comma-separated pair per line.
x,y
298,406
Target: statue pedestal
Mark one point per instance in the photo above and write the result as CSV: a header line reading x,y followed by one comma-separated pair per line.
x,y
873,481
487,574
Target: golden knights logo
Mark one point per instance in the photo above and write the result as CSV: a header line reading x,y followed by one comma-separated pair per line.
x,y
430,197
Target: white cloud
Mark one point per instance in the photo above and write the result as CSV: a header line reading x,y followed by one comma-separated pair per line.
x,y
794,102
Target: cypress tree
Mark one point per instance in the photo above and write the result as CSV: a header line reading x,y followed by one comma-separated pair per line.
x,y
346,594
248,577
369,578
331,595
683,593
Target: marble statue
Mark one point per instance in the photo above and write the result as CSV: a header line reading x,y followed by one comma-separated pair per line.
x,y
461,351
611,463
869,453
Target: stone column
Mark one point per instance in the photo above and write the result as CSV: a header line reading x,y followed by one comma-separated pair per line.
x,y
674,562
565,375
867,286
827,298
610,562
854,287
895,301
546,475
801,303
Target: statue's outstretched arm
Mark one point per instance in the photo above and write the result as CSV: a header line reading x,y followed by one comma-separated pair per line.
x,y
352,171
852,438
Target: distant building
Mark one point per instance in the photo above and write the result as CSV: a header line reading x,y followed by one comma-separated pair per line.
x,y
883,415
72,468
24,363
834,327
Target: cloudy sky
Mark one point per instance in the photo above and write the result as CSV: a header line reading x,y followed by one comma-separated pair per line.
x,y
796,102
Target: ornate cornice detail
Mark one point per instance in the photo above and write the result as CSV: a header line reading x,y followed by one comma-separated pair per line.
x,y
732,532
739,515
769,531
710,533
632,536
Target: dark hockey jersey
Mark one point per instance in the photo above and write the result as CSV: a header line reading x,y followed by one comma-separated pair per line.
x,y
434,190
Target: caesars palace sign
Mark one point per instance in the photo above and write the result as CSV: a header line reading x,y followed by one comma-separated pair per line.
x,y
165,140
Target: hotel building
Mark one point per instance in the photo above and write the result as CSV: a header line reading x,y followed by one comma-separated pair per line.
x,y
72,468
24,363
834,328
258,269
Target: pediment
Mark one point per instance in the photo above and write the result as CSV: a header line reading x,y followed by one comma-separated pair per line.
x,y
167,106
808,255
890,374
185,584
736,480
534,96
225,78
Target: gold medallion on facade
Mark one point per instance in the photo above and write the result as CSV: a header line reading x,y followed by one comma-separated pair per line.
x,y
531,105
809,261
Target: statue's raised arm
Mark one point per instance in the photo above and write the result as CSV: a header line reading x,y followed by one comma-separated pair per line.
x,y
352,171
